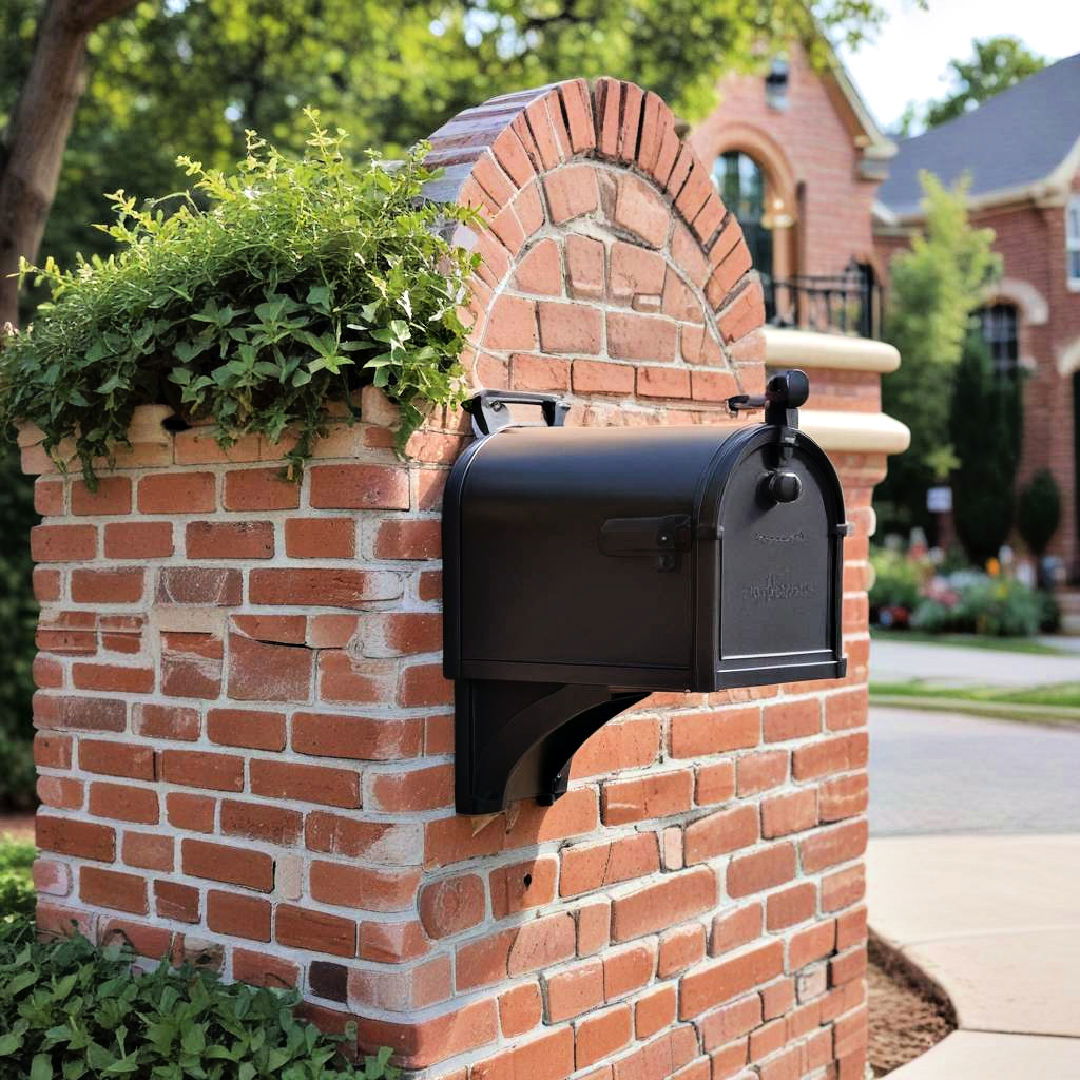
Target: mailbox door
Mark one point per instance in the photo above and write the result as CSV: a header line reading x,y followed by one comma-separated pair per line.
x,y
775,572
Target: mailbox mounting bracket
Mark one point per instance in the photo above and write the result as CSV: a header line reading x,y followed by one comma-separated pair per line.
x,y
516,739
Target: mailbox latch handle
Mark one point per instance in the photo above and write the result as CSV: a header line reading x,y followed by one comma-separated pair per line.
x,y
489,411
784,393
662,537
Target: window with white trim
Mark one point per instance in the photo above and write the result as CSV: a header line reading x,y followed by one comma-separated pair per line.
x,y
999,324
1072,242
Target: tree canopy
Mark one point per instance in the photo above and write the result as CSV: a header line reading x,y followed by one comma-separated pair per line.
x,y
995,64
190,76
934,288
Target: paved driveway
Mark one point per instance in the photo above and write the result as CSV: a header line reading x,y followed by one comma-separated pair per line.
x,y
993,917
898,661
946,773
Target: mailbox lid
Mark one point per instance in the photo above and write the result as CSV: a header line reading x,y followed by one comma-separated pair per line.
x,y
532,518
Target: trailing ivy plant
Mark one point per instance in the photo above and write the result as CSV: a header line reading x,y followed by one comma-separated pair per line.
x,y
71,1010
254,300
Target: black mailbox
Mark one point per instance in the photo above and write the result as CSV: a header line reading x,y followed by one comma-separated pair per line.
x,y
587,567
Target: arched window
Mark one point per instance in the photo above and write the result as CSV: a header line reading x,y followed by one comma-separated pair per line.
x,y
999,324
741,183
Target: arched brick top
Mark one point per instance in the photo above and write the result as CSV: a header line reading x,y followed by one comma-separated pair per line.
x,y
610,266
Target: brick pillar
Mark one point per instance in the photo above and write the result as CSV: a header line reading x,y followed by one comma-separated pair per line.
x,y
245,740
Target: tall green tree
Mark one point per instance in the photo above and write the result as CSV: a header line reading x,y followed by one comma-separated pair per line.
x,y
995,64
934,287
984,423
38,126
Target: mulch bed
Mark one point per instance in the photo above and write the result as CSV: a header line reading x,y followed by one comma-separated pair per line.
x,y
908,1013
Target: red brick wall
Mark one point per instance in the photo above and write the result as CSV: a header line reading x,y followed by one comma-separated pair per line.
x,y
246,747
810,142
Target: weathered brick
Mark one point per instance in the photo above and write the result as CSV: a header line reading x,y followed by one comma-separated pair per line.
x,y
681,896
177,493
305,783
359,487
321,587
259,489
230,540
228,864
320,538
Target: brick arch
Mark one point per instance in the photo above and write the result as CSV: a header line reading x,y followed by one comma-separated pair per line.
x,y
609,266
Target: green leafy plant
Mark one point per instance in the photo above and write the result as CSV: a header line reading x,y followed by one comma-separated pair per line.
x,y
997,607
70,1009
254,300
898,580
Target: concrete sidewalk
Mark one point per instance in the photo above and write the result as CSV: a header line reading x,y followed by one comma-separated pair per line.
x,y
954,665
995,920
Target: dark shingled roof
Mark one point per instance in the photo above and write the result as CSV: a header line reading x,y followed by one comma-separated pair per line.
x,y
1016,138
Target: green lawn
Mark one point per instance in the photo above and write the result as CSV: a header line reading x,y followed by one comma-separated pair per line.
x,y
972,641
1064,695
1053,703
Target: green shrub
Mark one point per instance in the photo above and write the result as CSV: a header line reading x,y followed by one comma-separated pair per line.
x,y
265,293
897,579
985,426
995,607
69,1009
16,885
1039,512
932,617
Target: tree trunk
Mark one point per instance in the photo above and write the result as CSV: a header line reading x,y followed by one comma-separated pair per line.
x,y
38,130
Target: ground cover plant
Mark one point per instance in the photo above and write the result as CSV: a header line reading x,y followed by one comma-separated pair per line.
x,y
71,1010
254,300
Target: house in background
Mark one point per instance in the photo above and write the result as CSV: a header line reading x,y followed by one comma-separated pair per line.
x,y
825,199
1021,150
798,158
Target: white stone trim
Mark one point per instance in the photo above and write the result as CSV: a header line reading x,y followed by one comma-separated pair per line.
x,y
1068,359
1031,302
856,432
811,349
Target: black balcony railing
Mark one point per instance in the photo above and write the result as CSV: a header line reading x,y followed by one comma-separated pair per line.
x,y
848,303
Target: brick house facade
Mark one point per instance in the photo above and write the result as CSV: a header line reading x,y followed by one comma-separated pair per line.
x,y
245,739
839,195
1025,185
821,159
